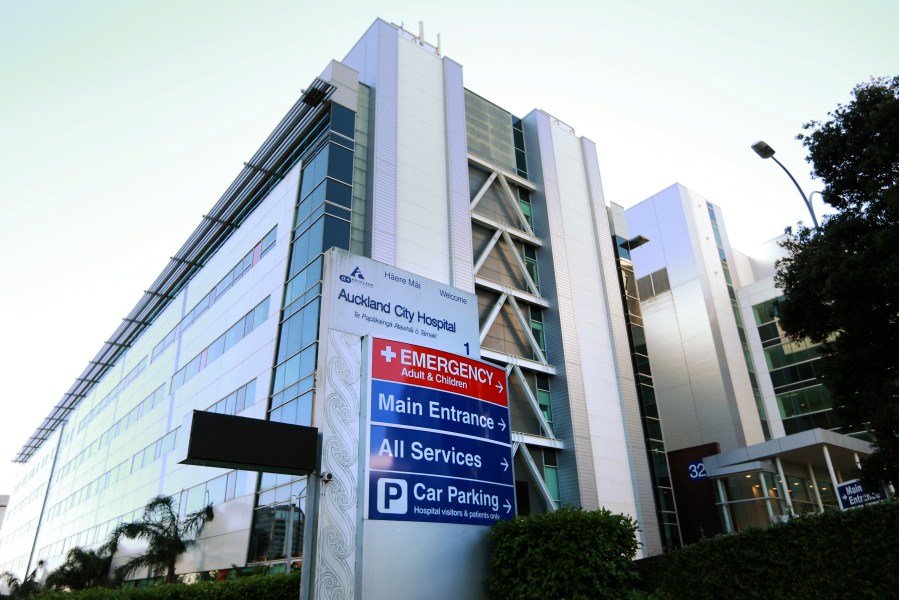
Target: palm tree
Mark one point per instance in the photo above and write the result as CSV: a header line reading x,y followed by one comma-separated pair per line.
x,y
22,588
82,569
167,536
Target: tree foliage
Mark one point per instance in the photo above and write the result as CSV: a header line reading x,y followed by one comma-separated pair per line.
x,y
22,588
841,282
167,536
82,569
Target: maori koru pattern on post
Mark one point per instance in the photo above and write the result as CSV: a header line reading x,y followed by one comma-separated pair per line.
x,y
340,456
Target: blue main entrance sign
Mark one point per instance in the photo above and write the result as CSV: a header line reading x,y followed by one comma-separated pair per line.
x,y
439,446
852,494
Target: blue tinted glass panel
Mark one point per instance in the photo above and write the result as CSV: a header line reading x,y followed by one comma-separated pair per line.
x,y
343,120
339,193
340,166
336,233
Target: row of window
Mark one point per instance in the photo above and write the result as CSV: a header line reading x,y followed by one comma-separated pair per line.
x,y
738,319
653,284
111,396
806,400
19,532
236,401
154,451
32,472
222,344
102,442
16,564
20,504
249,261
322,219
216,491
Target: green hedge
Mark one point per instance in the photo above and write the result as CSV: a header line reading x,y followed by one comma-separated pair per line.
x,y
852,554
566,554
257,587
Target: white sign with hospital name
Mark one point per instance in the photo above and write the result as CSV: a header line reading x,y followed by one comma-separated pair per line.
x,y
371,298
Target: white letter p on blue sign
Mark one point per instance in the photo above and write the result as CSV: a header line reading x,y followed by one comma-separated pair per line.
x,y
392,496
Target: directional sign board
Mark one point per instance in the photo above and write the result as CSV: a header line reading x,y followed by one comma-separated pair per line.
x,y
439,444
852,494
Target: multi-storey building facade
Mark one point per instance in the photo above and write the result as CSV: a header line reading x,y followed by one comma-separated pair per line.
x,y
388,156
749,425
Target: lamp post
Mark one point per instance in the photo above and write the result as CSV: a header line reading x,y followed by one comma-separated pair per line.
x,y
766,151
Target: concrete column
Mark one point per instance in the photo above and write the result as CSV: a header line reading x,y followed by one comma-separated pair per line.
x,y
784,486
768,506
811,474
725,510
833,476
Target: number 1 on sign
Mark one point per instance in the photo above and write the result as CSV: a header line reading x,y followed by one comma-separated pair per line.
x,y
467,349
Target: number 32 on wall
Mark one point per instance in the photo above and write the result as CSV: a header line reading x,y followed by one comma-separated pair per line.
x,y
697,470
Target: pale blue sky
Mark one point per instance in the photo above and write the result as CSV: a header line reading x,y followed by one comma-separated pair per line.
x,y
121,123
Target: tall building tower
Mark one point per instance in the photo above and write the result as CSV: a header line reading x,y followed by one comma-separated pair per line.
x,y
694,327
744,416
388,156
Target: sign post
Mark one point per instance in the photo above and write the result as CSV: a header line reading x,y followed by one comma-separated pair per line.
x,y
439,443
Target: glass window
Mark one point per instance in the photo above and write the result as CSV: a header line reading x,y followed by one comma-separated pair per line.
x,y
339,193
343,120
216,349
336,233
543,399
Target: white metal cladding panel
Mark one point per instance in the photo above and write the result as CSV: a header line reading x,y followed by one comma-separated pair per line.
x,y
461,259
744,413
630,409
265,278
642,219
674,392
569,484
691,396
375,58
569,340
422,211
597,359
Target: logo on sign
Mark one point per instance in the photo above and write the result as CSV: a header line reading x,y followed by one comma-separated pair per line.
x,y
355,277
393,496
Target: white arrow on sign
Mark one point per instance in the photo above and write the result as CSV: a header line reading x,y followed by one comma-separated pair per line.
x,y
508,506
499,386
505,464
502,423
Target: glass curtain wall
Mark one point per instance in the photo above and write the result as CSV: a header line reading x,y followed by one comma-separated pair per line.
x,y
750,365
794,368
323,219
649,413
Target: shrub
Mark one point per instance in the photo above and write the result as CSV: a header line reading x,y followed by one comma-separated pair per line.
x,y
831,555
570,553
257,587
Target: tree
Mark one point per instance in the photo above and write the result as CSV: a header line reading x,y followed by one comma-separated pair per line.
x,y
841,282
24,588
82,569
167,536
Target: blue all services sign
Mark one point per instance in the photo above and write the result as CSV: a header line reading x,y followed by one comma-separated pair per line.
x,y
439,444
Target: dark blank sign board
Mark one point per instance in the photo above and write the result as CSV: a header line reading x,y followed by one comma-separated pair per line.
x,y
231,442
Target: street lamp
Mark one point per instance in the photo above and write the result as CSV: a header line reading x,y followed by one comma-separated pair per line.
x,y
766,151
